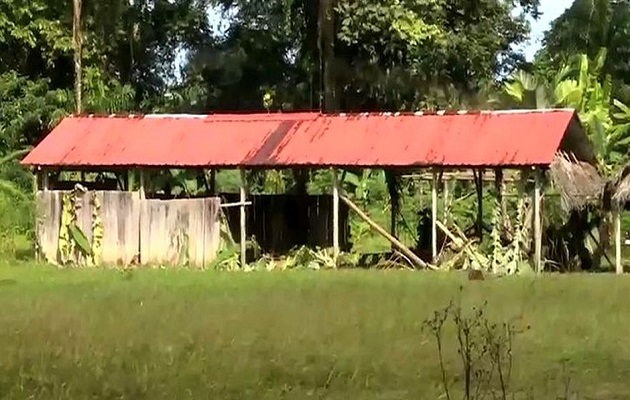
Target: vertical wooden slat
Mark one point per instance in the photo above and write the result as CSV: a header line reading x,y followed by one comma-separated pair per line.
x,y
48,224
196,228
111,214
120,214
145,231
212,229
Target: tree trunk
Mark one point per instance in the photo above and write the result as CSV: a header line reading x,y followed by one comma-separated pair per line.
x,y
77,40
327,54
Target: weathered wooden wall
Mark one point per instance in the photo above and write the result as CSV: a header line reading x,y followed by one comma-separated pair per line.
x,y
282,222
150,232
176,232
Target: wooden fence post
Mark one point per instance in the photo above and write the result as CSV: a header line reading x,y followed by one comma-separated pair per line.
x,y
335,194
243,231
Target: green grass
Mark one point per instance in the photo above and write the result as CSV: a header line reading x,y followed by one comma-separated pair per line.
x,y
79,334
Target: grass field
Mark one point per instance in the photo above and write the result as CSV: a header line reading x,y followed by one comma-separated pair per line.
x,y
79,334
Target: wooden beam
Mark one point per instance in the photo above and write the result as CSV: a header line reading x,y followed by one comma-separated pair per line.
x,y
403,249
213,182
45,179
335,193
537,223
143,194
243,231
237,204
465,176
617,218
434,199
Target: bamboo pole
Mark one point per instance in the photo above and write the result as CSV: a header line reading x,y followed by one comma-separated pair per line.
x,y
403,249
617,217
243,220
335,194
434,216
537,224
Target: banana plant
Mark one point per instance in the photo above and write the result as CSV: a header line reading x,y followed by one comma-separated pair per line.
x,y
580,85
6,185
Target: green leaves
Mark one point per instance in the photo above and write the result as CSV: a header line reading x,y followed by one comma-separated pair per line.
x,y
80,239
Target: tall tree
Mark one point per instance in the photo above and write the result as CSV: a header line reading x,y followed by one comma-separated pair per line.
x,y
374,54
586,27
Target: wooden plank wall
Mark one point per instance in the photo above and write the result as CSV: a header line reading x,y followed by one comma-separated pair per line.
x,y
48,224
151,232
120,212
176,232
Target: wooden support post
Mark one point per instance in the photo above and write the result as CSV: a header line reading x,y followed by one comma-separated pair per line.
x,y
479,188
243,220
142,192
335,194
45,179
213,182
537,223
617,218
434,200
131,180
445,201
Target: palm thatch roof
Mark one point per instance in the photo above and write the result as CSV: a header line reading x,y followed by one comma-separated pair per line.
x,y
619,187
579,182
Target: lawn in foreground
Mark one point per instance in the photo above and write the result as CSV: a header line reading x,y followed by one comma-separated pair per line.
x,y
79,334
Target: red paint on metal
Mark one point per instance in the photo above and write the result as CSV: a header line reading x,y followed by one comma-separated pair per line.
x,y
519,138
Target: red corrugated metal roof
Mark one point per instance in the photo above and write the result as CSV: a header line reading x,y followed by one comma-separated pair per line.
x,y
508,138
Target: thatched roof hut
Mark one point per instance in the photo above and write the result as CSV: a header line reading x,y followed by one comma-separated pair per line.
x,y
619,187
579,182
574,172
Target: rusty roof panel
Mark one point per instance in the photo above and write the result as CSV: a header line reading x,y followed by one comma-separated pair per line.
x,y
514,138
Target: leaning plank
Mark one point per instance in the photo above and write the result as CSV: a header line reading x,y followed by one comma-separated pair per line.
x,y
403,249
462,240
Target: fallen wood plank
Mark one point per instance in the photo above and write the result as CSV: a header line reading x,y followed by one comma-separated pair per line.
x,y
238,204
465,242
403,249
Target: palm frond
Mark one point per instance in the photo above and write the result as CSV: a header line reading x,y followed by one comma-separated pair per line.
x,y
16,154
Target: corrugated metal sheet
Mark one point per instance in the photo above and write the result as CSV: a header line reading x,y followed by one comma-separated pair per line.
x,y
514,138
